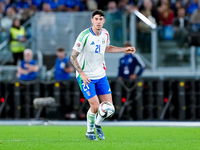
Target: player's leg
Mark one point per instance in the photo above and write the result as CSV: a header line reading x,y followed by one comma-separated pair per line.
x,y
99,119
91,115
90,94
104,93
106,97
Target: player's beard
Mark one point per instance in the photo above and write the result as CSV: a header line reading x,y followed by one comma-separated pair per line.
x,y
98,27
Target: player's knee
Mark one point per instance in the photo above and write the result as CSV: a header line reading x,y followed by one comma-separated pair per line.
x,y
94,108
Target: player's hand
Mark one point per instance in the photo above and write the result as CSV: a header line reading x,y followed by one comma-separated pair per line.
x,y
85,78
130,50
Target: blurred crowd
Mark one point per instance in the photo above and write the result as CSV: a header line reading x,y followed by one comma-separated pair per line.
x,y
163,12
177,13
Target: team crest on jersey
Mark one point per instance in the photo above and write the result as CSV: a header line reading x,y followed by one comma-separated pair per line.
x,y
103,40
78,44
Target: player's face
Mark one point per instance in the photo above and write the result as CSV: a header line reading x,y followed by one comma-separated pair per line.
x,y
98,22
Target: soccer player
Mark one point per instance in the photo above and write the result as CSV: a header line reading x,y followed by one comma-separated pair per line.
x,y
88,59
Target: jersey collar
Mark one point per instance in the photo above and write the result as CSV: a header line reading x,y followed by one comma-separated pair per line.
x,y
93,31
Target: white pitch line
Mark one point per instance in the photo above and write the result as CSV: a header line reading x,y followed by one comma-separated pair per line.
x,y
105,123
13,140
129,123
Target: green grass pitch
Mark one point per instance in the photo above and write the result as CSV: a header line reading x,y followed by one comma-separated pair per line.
x,y
117,138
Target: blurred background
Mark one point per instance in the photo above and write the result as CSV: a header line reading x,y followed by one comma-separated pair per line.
x,y
166,34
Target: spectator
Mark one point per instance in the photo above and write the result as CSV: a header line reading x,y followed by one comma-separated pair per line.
x,y
90,4
17,40
181,26
166,15
113,23
28,69
154,11
112,7
178,4
72,5
37,5
21,5
195,20
126,6
112,12
6,22
153,5
2,9
47,24
160,2
194,35
24,8
63,67
103,4
56,5
128,64
144,30
8,4
191,6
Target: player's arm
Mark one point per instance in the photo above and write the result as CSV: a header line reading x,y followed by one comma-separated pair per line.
x,y
114,49
73,59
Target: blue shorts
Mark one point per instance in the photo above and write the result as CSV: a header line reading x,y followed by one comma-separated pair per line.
x,y
96,87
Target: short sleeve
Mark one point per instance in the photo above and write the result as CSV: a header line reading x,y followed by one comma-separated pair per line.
x,y
108,39
80,41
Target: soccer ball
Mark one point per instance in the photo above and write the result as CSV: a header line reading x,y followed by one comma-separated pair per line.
x,y
106,109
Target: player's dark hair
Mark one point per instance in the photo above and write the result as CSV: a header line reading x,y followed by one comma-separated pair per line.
x,y
60,49
98,12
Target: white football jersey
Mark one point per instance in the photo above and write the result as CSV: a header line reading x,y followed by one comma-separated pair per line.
x,y
92,49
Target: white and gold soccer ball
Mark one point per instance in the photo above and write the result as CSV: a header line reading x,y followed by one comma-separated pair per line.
x,y
106,109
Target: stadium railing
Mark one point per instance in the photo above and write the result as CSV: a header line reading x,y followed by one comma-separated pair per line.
x,y
141,99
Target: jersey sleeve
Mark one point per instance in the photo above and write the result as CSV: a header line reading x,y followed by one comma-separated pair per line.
x,y
80,41
107,37
108,40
